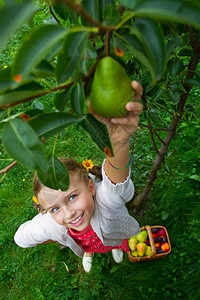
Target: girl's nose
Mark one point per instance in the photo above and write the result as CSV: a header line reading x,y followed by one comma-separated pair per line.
x,y
68,213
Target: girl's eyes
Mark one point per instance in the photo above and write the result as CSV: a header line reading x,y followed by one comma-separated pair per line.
x,y
55,209
72,197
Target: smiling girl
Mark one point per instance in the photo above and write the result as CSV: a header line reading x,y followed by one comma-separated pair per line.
x,y
91,216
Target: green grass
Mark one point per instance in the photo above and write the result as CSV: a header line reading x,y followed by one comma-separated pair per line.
x,y
39,272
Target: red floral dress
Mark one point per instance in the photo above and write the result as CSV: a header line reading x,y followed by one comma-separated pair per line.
x,y
90,242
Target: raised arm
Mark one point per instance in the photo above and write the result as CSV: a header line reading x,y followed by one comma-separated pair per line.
x,y
120,130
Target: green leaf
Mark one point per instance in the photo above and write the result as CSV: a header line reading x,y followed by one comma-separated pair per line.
x,y
61,9
23,92
23,145
193,82
174,96
61,99
47,125
195,177
132,43
44,69
69,60
92,8
77,97
36,48
151,37
33,112
98,133
11,17
175,66
56,177
179,11
186,52
103,4
146,48
5,79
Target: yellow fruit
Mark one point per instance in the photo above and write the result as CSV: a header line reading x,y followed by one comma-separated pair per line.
x,y
132,243
141,249
134,253
111,89
148,251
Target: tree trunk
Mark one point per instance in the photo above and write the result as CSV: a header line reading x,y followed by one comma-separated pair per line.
x,y
164,148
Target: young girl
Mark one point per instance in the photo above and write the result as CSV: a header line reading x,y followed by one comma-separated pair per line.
x,y
91,215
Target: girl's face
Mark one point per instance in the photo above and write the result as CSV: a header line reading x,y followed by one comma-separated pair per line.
x,y
73,208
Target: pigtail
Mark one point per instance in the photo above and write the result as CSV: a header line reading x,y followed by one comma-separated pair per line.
x,y
96,171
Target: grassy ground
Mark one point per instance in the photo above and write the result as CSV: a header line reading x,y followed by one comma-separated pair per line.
x,y
41,273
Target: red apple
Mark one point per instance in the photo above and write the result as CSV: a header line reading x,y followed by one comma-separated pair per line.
x,y
165,247
154,235
161,233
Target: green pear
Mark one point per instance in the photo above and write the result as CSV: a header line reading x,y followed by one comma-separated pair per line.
x,y
111,89
148,251
141,249
142,236
132,243
134,253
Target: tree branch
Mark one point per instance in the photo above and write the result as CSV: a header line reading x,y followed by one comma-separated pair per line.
x,y
6,169
79,9
39,95
171,113
53,15
194,60
161,129
152,138
158,136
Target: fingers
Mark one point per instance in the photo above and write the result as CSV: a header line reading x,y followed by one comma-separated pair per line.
x,y
138,89
135,107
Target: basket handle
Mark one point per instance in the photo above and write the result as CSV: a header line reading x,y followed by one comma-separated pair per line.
x,y
148,228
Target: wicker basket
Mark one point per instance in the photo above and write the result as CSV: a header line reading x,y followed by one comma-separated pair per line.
x,y
153,255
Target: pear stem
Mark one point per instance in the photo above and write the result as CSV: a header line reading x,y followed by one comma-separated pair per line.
x,y
107,43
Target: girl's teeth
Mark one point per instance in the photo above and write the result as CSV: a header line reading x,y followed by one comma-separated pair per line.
x,y
75,221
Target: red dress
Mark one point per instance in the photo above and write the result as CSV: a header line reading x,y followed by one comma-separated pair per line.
x,y
90,242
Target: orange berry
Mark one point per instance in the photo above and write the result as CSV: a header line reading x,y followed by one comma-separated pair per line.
x,y
18,78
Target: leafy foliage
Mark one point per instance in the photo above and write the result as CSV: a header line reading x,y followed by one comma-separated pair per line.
x,y
59,58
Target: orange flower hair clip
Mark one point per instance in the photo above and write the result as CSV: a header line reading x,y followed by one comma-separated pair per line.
x,y
35,200
88,164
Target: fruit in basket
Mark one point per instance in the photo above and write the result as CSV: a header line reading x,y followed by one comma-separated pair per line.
x,y
159,251
164,240
147,242
133,243
154,230
141,249
154,235
157,245
165,247
161,233
134,253
148,251
142,236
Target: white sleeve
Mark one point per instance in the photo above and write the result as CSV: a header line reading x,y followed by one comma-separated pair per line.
x,y
121,192
40,229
